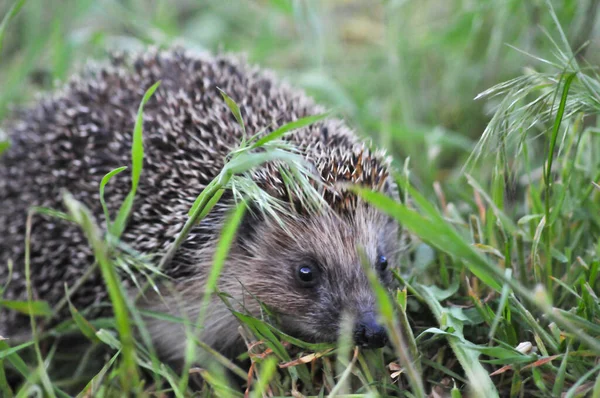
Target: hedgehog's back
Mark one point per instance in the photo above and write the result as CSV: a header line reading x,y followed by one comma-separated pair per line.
x,y
71,140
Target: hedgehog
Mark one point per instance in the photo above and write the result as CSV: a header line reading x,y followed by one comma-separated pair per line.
x,y
307,268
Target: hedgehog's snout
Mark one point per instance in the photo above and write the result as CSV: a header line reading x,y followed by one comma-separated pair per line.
x,y
368,333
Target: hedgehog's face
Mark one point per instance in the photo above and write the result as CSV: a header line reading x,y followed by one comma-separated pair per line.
x,y
313,275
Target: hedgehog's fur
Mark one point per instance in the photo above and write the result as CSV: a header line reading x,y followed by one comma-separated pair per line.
x,y
71,140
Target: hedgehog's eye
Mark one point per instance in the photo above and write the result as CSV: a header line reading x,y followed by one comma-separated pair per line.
x,y
382,263
307,275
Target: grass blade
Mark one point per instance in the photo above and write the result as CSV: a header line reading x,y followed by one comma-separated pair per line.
x,y
222,251
41,365
386,310
437,233
137,160
103,183
14,10
33,307
295,125
129,374
548,172
235,109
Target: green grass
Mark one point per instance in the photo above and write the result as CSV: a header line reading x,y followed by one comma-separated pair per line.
x,y
500,286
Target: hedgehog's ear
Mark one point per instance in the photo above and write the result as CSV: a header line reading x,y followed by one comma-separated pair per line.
x,y
247,231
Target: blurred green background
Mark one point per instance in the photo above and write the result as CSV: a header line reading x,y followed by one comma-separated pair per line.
x,y
402,71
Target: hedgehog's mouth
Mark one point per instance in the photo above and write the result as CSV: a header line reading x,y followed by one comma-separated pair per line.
x,y
366,333
308,330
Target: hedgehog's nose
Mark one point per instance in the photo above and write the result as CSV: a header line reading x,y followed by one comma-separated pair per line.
x,y
368,333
